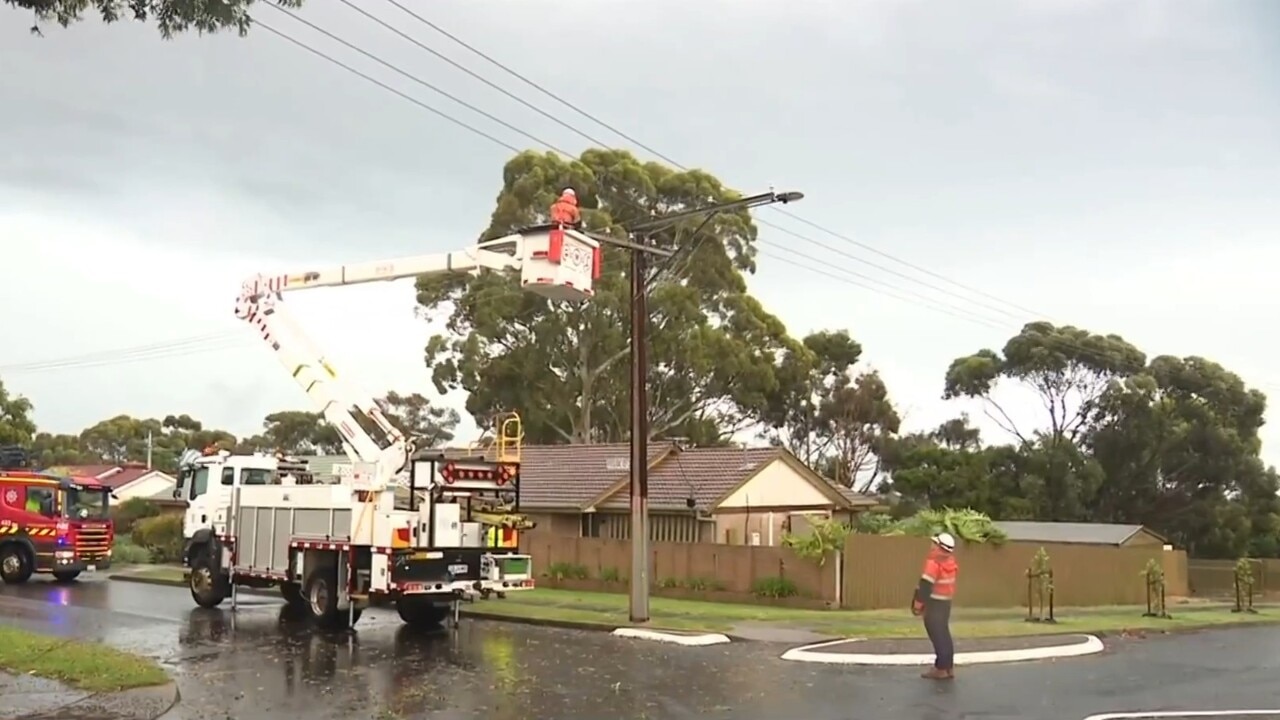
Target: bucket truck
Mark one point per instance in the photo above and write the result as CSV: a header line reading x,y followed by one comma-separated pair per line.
x,y
335,549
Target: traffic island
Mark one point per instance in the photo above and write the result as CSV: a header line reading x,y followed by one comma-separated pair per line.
x,y
974,651
675,637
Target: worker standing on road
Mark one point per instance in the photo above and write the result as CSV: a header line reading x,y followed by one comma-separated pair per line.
x,y
564,211
933,600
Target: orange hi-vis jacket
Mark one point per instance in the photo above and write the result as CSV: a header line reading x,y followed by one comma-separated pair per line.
x,y
940,570
565,210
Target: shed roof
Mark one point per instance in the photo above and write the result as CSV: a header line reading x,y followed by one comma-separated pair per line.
x,y
1071,532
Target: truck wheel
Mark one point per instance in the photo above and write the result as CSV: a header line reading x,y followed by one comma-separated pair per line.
x,y
16,564
321,595
208,588
292,594
66,576
421,612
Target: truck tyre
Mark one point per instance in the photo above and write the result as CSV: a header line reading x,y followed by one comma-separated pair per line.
x,y
16,564
321,596
208,587
421,612
65,576
292,594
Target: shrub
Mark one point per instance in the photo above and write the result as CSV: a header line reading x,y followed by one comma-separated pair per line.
x,y
161,536
126,553
128,513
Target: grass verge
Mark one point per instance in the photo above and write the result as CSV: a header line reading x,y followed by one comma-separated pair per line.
x,y
610,610
83,665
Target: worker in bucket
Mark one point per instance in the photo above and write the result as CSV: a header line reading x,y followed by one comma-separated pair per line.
x,y
564,211
933,600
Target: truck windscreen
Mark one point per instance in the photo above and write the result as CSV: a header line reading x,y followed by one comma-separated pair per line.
x,y
87,504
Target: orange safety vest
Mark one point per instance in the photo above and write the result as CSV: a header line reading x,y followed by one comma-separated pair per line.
x,y
565,211
940,568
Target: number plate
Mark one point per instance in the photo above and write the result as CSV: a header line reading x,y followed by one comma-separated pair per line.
x,y
91,568
458,569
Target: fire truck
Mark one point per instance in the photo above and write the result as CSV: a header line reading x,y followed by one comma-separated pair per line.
x,y
417,530
50,524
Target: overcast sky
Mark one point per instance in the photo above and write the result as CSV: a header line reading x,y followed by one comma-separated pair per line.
x,y
1113,165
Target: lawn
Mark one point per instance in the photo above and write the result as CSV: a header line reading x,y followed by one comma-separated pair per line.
x,y
84,665
610,610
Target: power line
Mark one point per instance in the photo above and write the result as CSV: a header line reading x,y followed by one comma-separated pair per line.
x,y
524,133
1075,346
593,118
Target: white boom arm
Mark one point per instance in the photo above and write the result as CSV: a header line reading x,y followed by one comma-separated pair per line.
x,y
557,263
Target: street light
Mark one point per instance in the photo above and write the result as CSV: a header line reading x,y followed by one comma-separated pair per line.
x,y
639,244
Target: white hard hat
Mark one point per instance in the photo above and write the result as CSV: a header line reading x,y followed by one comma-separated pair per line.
x,y
570,191
945,540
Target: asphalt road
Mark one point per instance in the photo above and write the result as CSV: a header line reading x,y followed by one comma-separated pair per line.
x,y
257,663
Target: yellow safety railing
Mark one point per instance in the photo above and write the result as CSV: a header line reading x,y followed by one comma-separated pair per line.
x,y
506,443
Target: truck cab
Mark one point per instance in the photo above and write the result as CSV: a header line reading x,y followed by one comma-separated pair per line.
x,y
206,480
51,524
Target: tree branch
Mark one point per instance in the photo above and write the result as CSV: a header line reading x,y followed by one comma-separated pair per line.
x,y
1007,425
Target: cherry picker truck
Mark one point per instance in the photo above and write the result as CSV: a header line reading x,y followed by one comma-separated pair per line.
x,y
335,549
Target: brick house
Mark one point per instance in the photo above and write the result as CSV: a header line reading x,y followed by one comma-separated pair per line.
x,y
723,495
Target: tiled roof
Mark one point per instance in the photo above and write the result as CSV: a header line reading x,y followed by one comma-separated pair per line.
x,y
1069,532
569,477
705,474
112,476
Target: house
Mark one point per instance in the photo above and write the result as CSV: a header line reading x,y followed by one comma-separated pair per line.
x,y
725,495
1105,534
130,480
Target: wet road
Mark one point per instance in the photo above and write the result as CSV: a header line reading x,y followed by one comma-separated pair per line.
x,y
257,663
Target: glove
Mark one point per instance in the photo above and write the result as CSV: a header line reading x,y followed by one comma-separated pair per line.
x,y
917,608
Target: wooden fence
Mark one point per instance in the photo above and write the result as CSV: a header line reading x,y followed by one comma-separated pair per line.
x,y
873,572
1216,578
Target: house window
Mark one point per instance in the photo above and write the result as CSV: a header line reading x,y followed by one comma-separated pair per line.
x,y
591,525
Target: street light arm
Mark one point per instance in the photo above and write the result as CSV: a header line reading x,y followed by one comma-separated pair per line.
x,y
767,198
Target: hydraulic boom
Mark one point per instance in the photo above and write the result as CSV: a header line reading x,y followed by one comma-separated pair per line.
x,y
554,261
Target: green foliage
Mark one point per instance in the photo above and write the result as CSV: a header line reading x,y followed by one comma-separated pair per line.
x,y
701,584
610,575
873,523
170,16
834,421
822,538
566,571
416,417
966,525
1244,574
774,587
161,536
127,514
1041,571
124,552
16,425
716,354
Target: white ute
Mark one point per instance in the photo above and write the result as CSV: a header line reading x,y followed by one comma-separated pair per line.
x,y
334,549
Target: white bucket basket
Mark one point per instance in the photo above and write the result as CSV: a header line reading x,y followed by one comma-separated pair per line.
x,y
559,263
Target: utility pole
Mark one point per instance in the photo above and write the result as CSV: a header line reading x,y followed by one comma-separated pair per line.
x,y
639,440
149,445
639,245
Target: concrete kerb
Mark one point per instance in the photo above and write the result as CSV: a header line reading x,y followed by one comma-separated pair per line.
x,y
654,634
1088,645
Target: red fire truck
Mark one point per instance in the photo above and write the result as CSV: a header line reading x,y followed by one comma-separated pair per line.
x,y
50,524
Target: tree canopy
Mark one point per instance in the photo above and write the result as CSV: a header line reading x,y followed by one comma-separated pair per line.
x,y
125,439
1171,443
171,17
715,353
